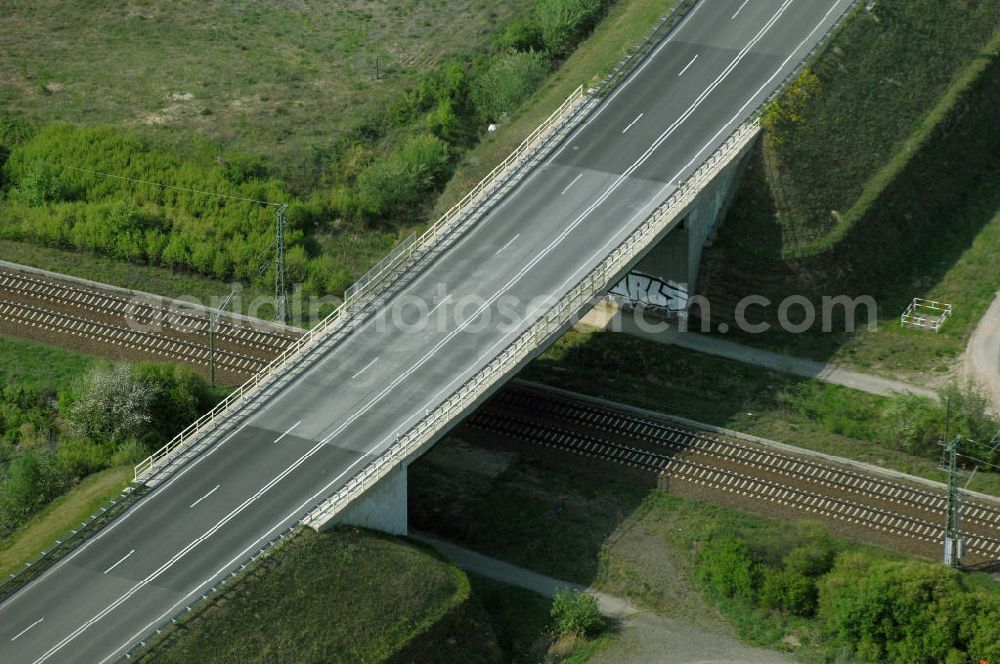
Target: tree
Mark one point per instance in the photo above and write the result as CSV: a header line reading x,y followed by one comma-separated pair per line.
x,y
112,404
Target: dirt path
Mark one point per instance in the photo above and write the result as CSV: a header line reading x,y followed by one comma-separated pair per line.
x,y
982,356
827,373
643,636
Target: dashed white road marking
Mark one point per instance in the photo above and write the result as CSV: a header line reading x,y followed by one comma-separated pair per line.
x,y
101,615
206,495
637,118
292,428
21,633
364,368
435,308
739,9
688,65
509,242
571,184
123,559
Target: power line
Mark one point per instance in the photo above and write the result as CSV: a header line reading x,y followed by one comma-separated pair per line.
x,y
170,186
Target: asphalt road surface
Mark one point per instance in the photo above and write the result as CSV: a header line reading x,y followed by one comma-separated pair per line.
x,y
308,440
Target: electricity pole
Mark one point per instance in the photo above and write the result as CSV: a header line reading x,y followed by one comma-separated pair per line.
x,y
953,544
213,321
280,288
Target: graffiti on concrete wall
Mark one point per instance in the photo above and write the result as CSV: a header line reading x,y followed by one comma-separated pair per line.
x,y
653,292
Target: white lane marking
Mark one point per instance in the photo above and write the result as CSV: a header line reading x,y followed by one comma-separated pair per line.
x,y
133,510
123,559
509,242
403,375
629,126
739,9
205,496
292,428
364,368
385,391
632,76
177,556
21,633
228,566
446,298
688,65
571,184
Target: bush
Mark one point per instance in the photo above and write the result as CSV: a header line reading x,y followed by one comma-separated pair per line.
x,y
522,34
565,22
788,590
398,183
507,81
112,404
891,610
31,480
917,425
575,613
726,568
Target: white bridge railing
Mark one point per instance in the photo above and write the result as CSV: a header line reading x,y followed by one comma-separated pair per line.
x,y
354,296
585,292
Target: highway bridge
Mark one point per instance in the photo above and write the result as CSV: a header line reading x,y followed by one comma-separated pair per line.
x,y
500,286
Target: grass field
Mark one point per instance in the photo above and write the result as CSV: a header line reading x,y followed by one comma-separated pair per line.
x,y
806,413
349,596
60,517
267,78
918,203
877,82
37,365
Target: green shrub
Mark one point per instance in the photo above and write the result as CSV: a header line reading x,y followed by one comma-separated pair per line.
x,y
507,81
399,182
917,425
39,184
30,481
726,568
575,612
521,34
565,22
788,590
892,610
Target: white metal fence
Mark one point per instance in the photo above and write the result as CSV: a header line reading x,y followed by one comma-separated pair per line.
x,y
586,291
356,296
925,314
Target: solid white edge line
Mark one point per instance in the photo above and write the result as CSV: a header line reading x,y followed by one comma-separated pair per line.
x,y
270,484
123,559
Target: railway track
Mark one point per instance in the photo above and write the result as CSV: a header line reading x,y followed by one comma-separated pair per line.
x,y
856,491
265,343
150,343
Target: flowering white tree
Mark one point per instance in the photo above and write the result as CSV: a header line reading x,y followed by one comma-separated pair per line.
x,y
113,404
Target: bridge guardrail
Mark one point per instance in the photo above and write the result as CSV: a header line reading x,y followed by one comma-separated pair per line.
x,y
370,282
586,290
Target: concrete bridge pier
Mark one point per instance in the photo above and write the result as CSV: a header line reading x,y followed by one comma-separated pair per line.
x,y
383,507
666,274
